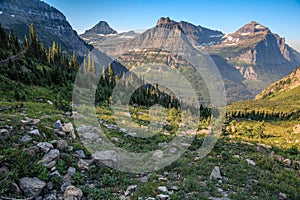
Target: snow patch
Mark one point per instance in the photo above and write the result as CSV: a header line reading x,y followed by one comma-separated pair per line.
x,y
126,37
1,12
216,36
231,44
12,15
248,33
259,27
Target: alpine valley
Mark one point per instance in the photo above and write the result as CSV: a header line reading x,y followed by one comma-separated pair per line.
x,y
59,106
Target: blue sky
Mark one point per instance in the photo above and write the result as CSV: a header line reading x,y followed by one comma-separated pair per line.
x,y
281,16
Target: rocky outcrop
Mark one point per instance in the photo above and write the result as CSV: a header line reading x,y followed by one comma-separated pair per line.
x,y
201,35
50,24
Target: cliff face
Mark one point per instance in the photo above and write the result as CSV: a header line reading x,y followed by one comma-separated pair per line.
x,y
201,35
259,54
50,24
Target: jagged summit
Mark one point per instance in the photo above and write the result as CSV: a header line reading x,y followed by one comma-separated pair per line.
x,y
101,28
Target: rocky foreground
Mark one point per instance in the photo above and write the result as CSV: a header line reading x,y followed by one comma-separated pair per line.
x,y
41,157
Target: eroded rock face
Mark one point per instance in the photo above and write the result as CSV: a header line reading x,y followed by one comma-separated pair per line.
x,y
32,186
50,24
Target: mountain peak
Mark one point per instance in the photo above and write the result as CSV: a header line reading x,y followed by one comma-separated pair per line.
x,y
253,27
164,21
102,28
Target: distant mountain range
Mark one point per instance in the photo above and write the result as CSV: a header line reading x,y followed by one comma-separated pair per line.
x,y
249,59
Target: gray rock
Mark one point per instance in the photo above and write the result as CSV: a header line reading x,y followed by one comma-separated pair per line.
x,y
175,188
71,171
58,125
4,132
45,146
250,162
80,154
29,121
26,139
163,189
61,144
64,186
49,160
215,174
128,190
68,128
84,164
73,193
35,132
51,196
32,186
282,195
60,133
55,173
158,154
4,170
162,196
174,150
108,157
32,150
163,145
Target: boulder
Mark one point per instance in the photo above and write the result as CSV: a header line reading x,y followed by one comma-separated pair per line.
x,y
72,193
45,146
29,121
49,160
32,186
68,128
35,132
71,171
57,125
296,128
215,174
107,157
80,154
163,189
250,162
61,144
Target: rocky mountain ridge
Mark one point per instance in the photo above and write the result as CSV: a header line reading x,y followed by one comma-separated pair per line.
x,y
50,24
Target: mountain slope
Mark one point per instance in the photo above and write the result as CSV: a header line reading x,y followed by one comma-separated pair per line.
x,y
282,87
50,24
260,55
281,100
